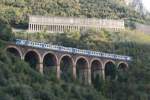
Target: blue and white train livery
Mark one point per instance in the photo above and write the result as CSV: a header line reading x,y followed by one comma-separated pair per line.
x,y
71,50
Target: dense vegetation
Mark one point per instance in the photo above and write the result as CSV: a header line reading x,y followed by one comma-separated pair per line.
x,y
22,82
16,11
18,81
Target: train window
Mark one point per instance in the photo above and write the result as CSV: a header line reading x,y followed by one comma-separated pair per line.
x,y
92,52
88,52
120,57
109,55
104,55
96,53
82,51
44,46
32,43
48,45
54,46
77,50
73,50
41,45
38,44
99,54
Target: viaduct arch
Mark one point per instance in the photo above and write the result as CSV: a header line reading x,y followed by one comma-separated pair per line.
x,y
66,63
82,69
15,51
96,69
50,62
77,67
110,69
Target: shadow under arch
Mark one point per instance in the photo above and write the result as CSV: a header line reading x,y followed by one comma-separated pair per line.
x,y
33,58
96,70
82,66
15,51
66,67
122,72
122,66
50,62
110,70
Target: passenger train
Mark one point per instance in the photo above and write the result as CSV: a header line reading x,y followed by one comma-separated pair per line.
x,y
71,50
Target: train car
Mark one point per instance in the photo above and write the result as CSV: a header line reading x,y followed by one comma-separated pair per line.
x,y
20,42
71,50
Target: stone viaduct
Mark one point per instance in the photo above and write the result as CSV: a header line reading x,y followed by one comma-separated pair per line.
x,y
82,67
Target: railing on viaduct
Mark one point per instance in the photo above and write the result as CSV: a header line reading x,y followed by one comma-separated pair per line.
x,y
62,24
83,65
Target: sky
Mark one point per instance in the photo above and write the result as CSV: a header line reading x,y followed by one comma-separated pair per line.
x,y
147,4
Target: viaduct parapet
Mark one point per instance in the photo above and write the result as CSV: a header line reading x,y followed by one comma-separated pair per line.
x,y
62,24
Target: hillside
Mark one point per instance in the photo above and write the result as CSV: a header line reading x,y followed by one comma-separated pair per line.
x,y
16,11
18,81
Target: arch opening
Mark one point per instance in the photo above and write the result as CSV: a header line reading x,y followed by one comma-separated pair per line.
x,y
122,72
82,70
14,51
49,64
96,71
66,68
32,58
110,70
122,67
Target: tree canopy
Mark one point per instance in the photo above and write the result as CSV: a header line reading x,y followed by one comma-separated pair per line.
x,y
16,11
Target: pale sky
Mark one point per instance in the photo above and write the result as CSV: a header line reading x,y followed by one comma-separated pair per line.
x,y
147,4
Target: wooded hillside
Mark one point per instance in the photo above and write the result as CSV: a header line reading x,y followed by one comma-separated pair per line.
x,y
16,11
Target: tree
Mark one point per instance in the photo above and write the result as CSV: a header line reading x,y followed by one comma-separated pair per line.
x,y
97,82
5,30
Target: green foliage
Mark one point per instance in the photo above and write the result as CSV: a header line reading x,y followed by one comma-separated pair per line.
x,y
22,82
18,81
5,30
16,12
98,83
